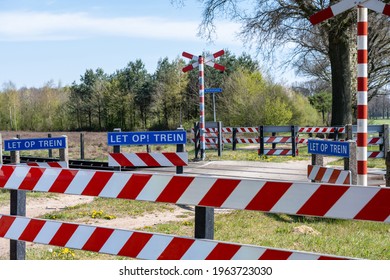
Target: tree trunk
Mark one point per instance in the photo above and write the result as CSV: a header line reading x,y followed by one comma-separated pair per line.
x,y
339,55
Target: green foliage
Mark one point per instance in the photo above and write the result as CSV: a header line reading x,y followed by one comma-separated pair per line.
x,y
322,102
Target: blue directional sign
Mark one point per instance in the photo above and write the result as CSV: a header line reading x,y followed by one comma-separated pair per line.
x,y
35,144
146,138
330,148
212,90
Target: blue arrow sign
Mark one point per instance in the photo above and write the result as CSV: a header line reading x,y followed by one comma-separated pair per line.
x,y
330,148
34,144
146,138
212,90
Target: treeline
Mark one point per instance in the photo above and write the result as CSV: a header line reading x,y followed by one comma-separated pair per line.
x,y
133,99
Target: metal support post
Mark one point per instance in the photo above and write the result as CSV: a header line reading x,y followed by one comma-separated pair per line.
x,y
234,138
220,144
81,145
261,131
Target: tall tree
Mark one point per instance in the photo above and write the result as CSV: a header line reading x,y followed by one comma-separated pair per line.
x,y
273,23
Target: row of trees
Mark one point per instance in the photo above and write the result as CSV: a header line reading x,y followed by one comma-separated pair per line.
x,y
133,99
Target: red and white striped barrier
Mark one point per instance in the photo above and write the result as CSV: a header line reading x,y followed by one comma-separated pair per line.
x,y
54,164
316,129
328,175
378,154
138,244
279,152
295,198
247,129
277,139
148,159
247,140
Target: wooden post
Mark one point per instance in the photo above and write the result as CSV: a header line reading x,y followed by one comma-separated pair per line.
x,y
81,145
17,208
351,162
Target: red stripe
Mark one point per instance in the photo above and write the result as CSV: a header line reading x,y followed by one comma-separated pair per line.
x,y
175,159
321,16
271,254
219,192
329,258
284,152
268,196
134,186
223,252
219,67
188,68
5,223
374,154
31,179
32,164
386,10
219,53
175,188
63,234
347,180
362,84
54,164
176,249
362,28
362,57
31,231
148,159
121,159
362,112
320,174
63,181
135,244
361,139
97,183
187,55
5,174
361,167
378,208
334,176
97,239
322,200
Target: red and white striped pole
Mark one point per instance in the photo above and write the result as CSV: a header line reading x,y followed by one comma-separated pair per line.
x,y
362,89
202,123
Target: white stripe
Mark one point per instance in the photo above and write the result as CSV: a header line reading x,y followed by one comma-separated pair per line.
x,y
362,179
47,232
17,228
79,182
361,153
362,98
328,173
47,179
342,6
115,242
161,159
155,246
154,187
342,176
362,125
352,202
135,159
248,253
303,256
17,177
80,237
314,172
243,194
388,219
112,161
362,70
183,156
375,5
196,190
115,185
362,13
294,198
362,42
199,250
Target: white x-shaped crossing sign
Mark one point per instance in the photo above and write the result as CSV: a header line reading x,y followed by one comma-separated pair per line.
x,y
209,60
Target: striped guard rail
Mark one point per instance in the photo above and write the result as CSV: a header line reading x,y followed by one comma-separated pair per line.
x,y
295,198
317,129
138,244
328,175
54,164
277,139
278,152
164,159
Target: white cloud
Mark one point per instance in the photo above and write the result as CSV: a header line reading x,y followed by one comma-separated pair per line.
x,y
39,26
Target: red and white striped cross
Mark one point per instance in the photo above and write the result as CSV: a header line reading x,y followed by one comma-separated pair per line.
x,y
342,6
362,69
208,60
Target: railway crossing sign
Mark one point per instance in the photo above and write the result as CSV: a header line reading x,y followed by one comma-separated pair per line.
x,y
199,62
362,69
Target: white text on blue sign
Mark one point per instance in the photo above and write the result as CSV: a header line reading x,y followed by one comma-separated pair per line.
x,y
35,144
146,138
331,148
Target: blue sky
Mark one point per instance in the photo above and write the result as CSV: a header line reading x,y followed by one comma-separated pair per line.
x,y
57,40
